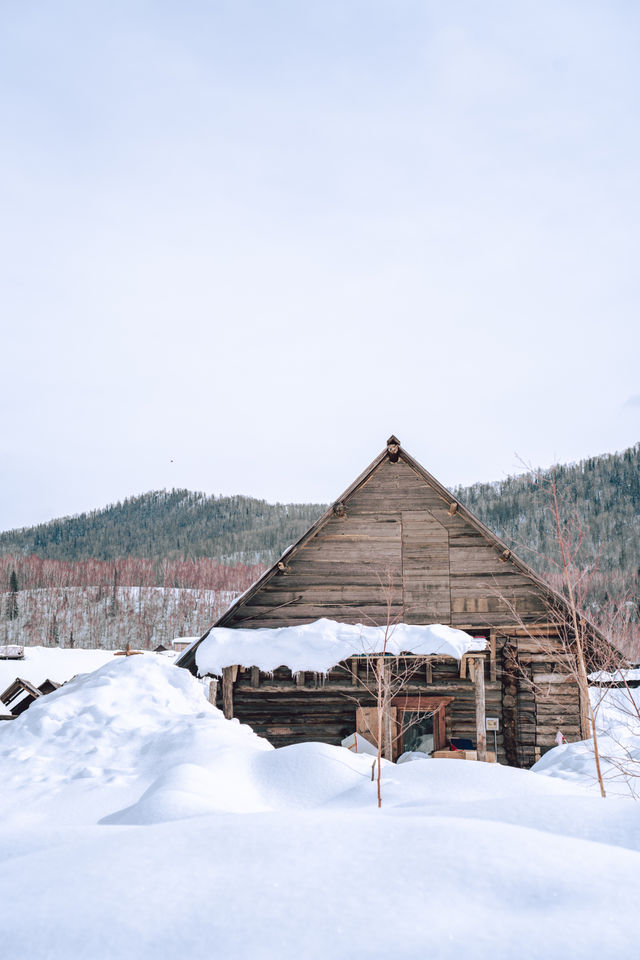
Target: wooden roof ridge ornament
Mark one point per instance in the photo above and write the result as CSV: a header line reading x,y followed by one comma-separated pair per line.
x,y
393,449
127,652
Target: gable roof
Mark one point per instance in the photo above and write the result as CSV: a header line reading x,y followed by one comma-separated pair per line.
x,y
16,686
392,452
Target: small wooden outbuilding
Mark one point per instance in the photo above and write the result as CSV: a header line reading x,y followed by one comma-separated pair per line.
x,y
397,546
20,694
11,651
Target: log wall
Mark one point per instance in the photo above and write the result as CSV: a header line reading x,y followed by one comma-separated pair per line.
x,y
287,708
525,690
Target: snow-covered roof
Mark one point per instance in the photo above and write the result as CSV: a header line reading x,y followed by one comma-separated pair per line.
x,y
320,645
183,641
11,651
618,676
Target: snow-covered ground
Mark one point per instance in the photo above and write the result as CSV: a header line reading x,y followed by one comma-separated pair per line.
x,y
137,822
42,663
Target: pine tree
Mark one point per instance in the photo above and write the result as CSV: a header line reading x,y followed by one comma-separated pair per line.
x,y
12,599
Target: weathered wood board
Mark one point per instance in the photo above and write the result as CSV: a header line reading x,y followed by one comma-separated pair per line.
x,y
396,534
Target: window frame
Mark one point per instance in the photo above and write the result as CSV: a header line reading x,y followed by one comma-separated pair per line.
x,y
419,704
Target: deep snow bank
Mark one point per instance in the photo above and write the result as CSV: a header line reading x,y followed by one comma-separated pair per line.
x,y
134,719
138,822
309,886
136,742
617,713
140,732
320,645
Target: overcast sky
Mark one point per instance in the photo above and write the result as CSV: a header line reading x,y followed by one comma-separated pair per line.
x,y
243,242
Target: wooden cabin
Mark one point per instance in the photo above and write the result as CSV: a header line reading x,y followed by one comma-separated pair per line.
x,y
398,535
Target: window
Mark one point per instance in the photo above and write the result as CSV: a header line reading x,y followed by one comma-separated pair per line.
x,y
421,723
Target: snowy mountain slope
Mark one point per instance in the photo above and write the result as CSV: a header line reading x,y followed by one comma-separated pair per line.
x,y
138,823
90,616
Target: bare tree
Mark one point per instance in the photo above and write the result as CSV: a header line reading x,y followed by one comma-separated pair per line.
x,y
576,646
386,675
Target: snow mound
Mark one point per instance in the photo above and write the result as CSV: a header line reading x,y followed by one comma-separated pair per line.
x,y
142,727
188,790
126,723
320,645
126,795
618,724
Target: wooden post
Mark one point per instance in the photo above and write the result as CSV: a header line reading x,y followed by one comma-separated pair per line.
x,y
255,676
300,678
481,721
354,671
228,676
586,732
388,715
213,690
492,661
429,672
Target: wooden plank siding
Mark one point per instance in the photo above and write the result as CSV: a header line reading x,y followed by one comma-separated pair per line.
x,y
425,569
395,526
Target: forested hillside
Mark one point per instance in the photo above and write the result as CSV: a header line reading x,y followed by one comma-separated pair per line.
x,y
599,501
168,562
602,494
175,524
99,603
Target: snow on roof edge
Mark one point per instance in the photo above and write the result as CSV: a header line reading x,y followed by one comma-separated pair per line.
x,y
321,645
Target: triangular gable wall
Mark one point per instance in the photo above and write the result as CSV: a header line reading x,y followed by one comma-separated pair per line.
x,y
395,523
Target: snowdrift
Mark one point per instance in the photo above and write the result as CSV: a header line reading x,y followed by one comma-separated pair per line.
x,y
143,726
618,724
138,822
135,720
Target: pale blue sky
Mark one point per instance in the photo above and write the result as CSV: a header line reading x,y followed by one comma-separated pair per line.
x,y
255,238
